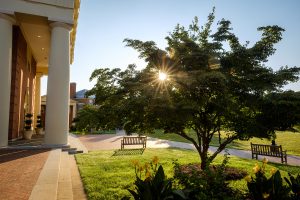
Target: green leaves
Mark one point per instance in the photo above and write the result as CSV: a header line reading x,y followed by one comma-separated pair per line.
x,y
209,87
261,187
294,184
280,111
87,118
156,187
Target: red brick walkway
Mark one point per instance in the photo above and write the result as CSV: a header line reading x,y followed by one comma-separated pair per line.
x,y
19,171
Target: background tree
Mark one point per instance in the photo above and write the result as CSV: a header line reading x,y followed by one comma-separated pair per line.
x,y
281,111
87,118
208,86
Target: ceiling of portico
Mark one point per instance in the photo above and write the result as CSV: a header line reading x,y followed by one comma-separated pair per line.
x,y
37,34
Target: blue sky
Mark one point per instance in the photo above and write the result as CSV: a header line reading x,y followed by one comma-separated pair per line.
x,y
104,24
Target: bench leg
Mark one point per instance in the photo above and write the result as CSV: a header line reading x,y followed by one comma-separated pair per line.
x,y
254,156
285,158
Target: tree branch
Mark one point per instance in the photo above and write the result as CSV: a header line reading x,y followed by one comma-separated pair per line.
x,y
184,135
222,147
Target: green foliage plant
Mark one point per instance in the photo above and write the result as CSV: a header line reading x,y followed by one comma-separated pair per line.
x,y
260,187
155,185
294,184
28,121
39,123
87,118
209,183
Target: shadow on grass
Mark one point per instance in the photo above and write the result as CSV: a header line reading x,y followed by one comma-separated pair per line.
x,y
124,152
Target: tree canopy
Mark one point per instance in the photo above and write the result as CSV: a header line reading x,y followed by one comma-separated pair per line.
x,y
213,83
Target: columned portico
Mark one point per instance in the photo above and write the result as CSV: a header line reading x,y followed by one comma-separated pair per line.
x,y
6,23
37,38
57,107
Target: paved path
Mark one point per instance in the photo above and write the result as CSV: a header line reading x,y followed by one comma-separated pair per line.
x,y
112,141
19,171
158,143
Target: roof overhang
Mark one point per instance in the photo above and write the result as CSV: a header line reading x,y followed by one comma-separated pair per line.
x,y
34,16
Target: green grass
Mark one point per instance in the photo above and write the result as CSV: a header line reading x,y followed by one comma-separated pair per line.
x,y
108,177
95,132
289,140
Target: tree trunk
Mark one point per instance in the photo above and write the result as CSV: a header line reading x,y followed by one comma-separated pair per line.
x,y
203,156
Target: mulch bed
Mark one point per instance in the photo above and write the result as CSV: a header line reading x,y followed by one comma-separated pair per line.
x,y
230,173
19,171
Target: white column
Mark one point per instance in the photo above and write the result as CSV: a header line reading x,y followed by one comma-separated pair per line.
x,y
5,74
57,103
37,99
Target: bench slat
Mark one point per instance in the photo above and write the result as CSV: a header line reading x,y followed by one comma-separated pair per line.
x,y
268,150
140,140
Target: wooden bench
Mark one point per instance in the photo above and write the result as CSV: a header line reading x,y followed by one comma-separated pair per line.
x,y
268,150
134,140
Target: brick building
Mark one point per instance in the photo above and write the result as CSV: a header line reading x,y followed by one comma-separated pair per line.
x,y
37,38
80,97
77,101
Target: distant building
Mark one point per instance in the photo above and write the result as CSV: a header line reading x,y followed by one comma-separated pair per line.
x,y
76,102
80,97
72,110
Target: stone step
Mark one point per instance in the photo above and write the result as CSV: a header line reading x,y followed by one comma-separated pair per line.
x,y
67,146
64,190
47,183
75,142
69,149
75,151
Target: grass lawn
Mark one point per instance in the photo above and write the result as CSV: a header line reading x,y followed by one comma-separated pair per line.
x,y
95,132
289,140
108,177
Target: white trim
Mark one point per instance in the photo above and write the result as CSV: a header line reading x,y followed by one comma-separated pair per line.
x,y
8,18
62,25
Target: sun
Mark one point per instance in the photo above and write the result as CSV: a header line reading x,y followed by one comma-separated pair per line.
x,y
162,76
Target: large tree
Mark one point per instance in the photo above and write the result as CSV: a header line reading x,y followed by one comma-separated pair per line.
x,y
212,82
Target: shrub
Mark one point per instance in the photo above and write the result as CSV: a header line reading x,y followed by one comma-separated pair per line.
x,y
28,121
155,185
205,184
39,122
230,173
294,185
261,187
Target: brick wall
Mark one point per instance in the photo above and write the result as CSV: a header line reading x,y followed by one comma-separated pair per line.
x,y
72,90
22,82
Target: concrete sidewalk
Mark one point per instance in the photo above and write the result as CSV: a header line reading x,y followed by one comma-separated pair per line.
x,y
59,179
158,143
